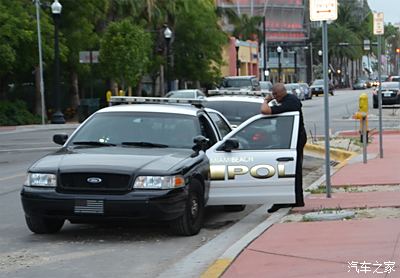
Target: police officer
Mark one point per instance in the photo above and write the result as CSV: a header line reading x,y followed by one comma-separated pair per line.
x,y
286,103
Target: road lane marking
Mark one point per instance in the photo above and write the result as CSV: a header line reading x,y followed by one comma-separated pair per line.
x,y
12,177
31,149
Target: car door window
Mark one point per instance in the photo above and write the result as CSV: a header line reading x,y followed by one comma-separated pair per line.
x,y
207,130
222,125
267,133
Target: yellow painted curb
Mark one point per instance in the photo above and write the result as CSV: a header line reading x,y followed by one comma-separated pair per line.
x,y
336,154
217,268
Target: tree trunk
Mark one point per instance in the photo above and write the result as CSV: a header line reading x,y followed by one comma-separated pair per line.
x,y
74,91
3,89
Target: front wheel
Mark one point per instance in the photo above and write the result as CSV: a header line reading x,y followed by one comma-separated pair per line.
x,y
44,225
191,221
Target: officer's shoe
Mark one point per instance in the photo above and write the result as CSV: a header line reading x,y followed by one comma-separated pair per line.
x,y
276,207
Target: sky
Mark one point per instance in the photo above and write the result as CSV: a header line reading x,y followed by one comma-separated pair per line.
x,y
390,9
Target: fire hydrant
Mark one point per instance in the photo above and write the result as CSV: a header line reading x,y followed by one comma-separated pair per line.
x,y
362,115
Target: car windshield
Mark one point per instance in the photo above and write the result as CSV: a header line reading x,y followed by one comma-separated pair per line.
x,y
238,83
138,129
181,94
390,85
318,82
235,111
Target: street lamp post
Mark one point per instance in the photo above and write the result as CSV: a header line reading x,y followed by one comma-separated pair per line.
x,y
279,50
295,65
57,117
41,85
167,37
237,45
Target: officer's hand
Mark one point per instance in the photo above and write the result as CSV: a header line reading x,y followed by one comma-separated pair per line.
x,y
268,98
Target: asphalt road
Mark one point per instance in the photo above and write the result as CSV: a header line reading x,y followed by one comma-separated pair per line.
x,y
342,107
135,249
125,250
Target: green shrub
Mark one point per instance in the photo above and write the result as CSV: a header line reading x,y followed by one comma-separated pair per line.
x,y
16,113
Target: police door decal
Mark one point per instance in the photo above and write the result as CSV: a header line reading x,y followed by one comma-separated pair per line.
x,y
262,168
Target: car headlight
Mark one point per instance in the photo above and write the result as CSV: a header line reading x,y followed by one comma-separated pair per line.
x,y
41,180
159,182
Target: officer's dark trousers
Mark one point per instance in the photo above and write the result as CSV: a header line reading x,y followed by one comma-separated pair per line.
x,y
299,172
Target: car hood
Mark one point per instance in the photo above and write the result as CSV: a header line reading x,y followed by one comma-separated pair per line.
x,y
116,159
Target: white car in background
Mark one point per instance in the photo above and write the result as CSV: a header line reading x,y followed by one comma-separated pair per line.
x,y
186,93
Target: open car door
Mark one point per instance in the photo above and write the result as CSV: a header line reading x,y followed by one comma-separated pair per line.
x,y
256,162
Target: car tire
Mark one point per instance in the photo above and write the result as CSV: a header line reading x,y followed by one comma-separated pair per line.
x,y
191,221
234,208
44,225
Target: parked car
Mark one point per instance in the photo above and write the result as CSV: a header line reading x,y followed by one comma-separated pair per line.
x,y
295,89
160,159
266,87
306,89
237,107
317,87
394,78
390,94
360,84
240,83
186,93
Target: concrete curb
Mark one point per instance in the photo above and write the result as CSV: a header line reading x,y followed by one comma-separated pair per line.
x,y
218,267
336,154
223,262
24,128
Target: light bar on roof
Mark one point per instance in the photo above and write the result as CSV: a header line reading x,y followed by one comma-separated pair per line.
x,y
144,100
236,92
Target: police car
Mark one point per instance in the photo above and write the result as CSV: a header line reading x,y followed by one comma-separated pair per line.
x,y
163,159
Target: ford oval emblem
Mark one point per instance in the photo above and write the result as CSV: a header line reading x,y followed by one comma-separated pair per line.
x,y
94,180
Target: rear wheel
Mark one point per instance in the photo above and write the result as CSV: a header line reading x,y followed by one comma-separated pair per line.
x,y
191,221
44,225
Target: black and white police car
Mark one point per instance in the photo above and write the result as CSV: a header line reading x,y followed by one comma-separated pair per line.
x,y
161,159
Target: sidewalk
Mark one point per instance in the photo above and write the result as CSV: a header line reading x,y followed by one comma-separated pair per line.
x,y
366,246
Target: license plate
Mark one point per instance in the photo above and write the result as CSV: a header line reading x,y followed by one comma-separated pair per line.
x,y
387,94
89,207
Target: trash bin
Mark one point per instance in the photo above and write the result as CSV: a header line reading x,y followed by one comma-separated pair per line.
x,y
87,107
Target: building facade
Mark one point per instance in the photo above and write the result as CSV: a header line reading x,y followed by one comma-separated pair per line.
x,y
286,28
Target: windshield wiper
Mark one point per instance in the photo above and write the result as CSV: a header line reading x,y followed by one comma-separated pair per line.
x,y
145,144
93,143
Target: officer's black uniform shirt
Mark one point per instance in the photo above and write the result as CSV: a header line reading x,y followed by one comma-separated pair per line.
x,y
288,104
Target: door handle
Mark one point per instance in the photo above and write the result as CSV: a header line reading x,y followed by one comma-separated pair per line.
x,y
285,159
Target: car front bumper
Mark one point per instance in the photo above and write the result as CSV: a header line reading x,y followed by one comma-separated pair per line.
x,y
154,205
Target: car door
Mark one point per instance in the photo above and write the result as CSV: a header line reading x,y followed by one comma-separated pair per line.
x,y
261,168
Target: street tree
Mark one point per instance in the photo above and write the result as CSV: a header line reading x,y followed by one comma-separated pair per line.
x,y
198,43
79,26
125,52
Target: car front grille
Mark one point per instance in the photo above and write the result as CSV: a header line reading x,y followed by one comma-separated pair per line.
x,y
94,182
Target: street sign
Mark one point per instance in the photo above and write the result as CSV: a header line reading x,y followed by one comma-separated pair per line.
x,y
367,45
323,10
379,26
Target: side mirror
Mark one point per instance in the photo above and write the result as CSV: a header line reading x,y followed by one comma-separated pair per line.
x,y
60,139
200,144
229,145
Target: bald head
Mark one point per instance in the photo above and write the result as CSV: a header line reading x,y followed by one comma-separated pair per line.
x,y
279,91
